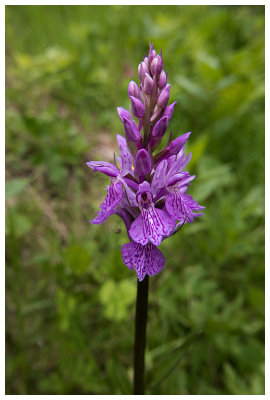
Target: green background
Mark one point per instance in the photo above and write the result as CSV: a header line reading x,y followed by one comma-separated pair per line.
x,y
69,297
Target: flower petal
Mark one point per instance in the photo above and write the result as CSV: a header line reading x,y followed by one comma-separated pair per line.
x,y
176,206
113,198
137,232
126,157
182,206
159,177
145,259
103,166
130,194
179,164
154,260
133,256
191,203
181,178
151,225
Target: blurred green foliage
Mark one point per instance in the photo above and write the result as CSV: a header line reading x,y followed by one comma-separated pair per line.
x,y
69,298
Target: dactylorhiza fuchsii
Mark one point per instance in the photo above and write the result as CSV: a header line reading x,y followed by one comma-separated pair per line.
x,y
148,186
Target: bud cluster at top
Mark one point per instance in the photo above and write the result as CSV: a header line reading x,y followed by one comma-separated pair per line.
x,y
149,104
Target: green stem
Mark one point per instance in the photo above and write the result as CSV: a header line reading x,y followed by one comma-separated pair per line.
x,y
140,335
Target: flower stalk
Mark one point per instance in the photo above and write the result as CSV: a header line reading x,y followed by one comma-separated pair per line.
x,y
140,335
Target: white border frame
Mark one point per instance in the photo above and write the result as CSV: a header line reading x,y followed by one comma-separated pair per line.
x,y
2,175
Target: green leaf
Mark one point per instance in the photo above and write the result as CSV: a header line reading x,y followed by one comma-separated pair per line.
x,y
192,88
116,298
256,299
164,366
118,376
66,307
212,176
77,258
197,148
18,224
15,187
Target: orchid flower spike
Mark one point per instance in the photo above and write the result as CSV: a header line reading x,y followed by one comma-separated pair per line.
x,y
148,190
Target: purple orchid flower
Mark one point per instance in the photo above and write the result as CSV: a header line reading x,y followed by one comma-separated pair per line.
x,y
152,223
148,191
118,183
170,176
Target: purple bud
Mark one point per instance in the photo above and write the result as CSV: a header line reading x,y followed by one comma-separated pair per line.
x,y
142,70
157,111
148,84
131,130
146,60
156,65
152,56
152,53
177,144
162,80
137,107
169,110
133,89
164,96
143,163
160,127
123,113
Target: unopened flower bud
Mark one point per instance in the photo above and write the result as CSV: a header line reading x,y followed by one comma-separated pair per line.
x,y
131,130
157,111
162,80
137,107
133,89
123,113
160,127
156,65
148,84
164,96
169,110
143,164
177,144
152,54
142,70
